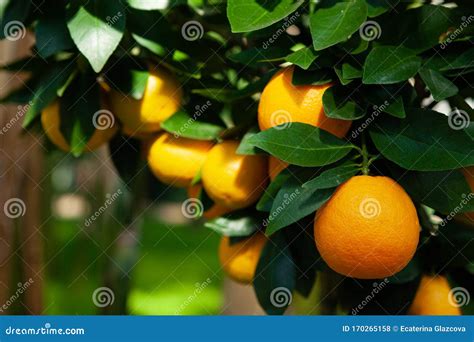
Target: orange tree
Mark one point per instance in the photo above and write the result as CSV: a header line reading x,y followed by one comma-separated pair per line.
x,y
272,111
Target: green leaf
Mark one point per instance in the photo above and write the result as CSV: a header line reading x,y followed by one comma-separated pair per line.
x,y
313,77
451,59
396,108
293,202
266,201
251,15
77,114
256,55
97,28
390,64
378,7
423,141
51,33
350,72
338,104
154,5
303,57
333,25
333,177
439,86
46,91
183,125
235,224
302,144
131,82
444,191
274,279
245,147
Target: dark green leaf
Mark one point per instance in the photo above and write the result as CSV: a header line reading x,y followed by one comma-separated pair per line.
x,y
266,201
258,56
274,279
330,26
390,64
333,177
245,147
251,15
350,72
51,33
303,57
96,28
423,141
439,86
378,7
302,144
313,77
182,125
338,104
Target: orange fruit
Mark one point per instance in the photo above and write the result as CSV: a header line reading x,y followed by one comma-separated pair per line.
x,y
434,297
50,120
368,229
215,211
176,161
281,102
232,180
275,166
240,259
161,99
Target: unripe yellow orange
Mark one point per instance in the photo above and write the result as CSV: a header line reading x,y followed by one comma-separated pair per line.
x,y
51,122
232,180
161,99
434,297
176,161
240,259
368,229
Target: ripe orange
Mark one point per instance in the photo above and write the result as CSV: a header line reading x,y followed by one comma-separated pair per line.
x,y
215,211
50,120
282,102
275,166
232,180
161,99
240,260
176,161
368,229
434,297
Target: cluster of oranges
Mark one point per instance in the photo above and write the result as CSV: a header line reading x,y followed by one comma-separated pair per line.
x,y
368,229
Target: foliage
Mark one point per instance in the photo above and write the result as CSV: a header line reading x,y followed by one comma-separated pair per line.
x,y
384,58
